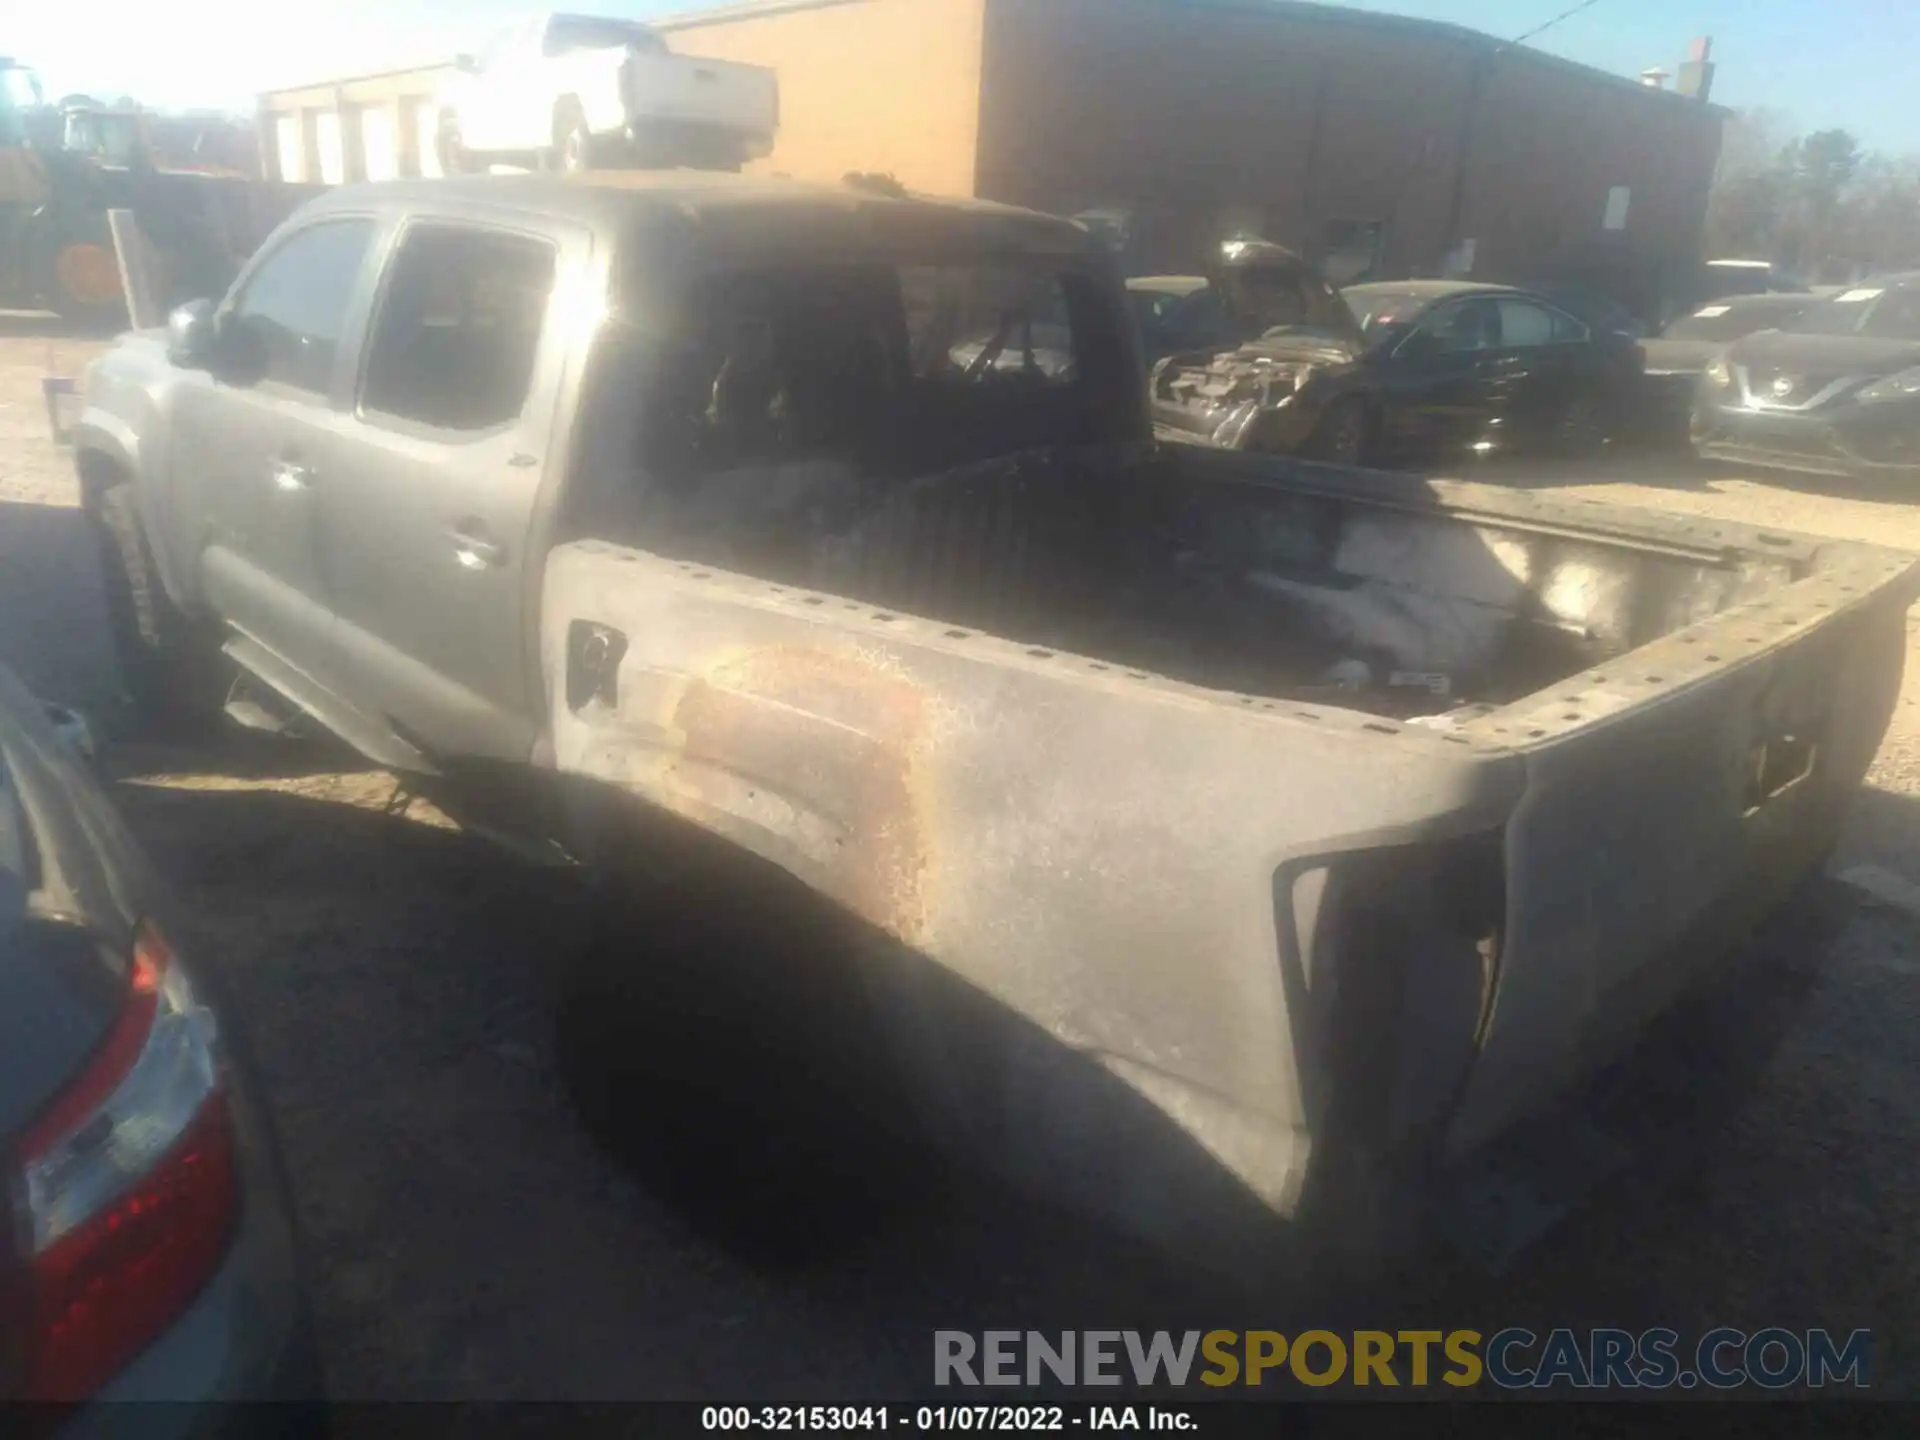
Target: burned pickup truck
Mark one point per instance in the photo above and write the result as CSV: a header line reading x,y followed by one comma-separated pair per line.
x,y
1220,844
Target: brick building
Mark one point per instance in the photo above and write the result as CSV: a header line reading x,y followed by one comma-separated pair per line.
x,y
1383,145
364,127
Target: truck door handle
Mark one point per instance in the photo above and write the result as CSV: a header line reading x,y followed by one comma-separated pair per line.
x,y
291,476
475,552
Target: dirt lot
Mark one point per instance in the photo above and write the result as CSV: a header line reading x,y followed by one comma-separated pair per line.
x,y
467,1238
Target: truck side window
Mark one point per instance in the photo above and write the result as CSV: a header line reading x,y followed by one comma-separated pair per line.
x,y
778,368
1455,329
296,303
458,329
1525,326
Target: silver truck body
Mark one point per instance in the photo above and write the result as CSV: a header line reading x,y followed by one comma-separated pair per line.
x,y
1143,890
1150,908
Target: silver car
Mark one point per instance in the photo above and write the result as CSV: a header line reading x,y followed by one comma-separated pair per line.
x,y
152,1254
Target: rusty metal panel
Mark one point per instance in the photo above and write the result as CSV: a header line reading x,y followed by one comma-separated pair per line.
x,y
1089,855
1112,916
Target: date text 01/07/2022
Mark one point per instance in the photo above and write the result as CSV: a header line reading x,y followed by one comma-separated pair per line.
x,y
925,1418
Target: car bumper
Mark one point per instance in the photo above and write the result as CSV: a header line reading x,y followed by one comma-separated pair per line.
x,y
1842,447
1666,401
246,1337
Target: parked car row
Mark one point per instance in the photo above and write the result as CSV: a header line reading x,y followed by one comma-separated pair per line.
x,y
1265,355
1677,356
1255,355
1834,392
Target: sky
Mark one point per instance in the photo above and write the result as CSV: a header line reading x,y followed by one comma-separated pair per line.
x,y
1822,63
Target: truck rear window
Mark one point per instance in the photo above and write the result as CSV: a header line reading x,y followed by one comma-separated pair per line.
x,y
986,324
889,368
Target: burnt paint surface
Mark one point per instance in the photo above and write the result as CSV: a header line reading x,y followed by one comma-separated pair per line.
x,y
1088,851
854,730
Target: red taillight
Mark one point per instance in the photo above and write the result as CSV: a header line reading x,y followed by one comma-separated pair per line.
x,y
126,1187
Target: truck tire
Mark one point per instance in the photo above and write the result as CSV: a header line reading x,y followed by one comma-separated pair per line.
x,y
77,272
171,667
449,149
717,1045
573,147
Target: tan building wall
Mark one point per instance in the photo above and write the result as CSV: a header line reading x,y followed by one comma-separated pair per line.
x,y
1202,116
876,85
366,127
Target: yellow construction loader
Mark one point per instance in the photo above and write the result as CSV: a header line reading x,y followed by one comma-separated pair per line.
x,y
62,167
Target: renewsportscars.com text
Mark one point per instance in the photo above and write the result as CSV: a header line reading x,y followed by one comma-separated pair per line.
x,y
1510,1359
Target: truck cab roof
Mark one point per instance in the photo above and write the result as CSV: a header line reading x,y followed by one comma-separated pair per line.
x,y
731,207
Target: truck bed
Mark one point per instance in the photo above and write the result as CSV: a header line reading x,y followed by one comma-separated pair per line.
x,y
1251,839
1438,600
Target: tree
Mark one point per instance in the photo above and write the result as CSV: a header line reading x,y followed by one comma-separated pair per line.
x,y
1817,203
1749,187
1819,168
1877,226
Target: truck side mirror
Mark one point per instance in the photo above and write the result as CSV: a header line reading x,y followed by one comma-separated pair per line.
x,y
197,339
191,335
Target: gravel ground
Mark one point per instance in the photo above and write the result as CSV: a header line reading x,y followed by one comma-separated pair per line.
x,y
468,1240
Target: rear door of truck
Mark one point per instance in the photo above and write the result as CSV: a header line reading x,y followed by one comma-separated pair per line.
x,y
426,532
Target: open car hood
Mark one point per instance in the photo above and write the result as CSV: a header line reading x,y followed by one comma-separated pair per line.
x,y
1264,287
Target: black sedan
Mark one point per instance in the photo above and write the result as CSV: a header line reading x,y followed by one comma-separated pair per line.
x,y
1458,366
148,1253
1680,352
1410,368
1836,391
